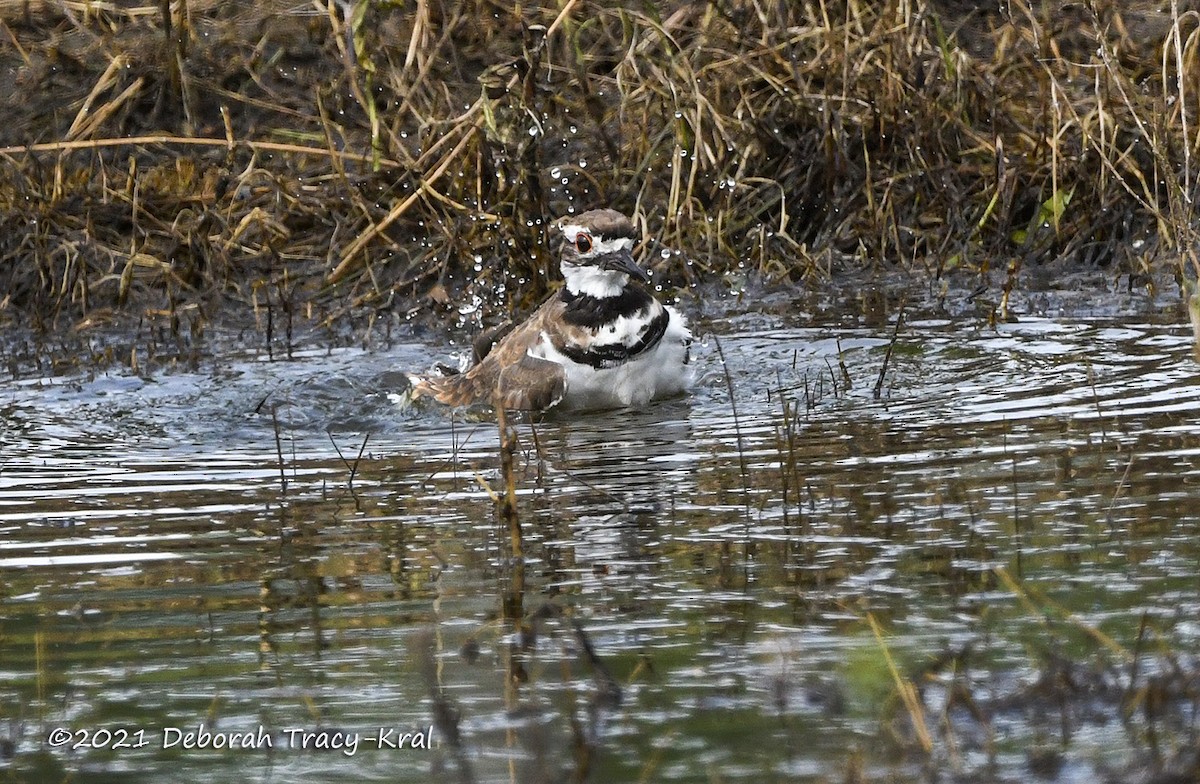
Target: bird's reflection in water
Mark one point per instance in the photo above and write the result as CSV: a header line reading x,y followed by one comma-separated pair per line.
x,y
636,460
612,482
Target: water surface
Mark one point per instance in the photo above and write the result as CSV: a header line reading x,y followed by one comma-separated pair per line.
x,y
1015,512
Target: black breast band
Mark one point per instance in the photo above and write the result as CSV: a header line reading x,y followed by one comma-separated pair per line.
x,y
610,355
584,310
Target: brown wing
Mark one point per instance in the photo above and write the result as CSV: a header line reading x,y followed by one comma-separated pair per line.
x,y
507,366
532,384
483,344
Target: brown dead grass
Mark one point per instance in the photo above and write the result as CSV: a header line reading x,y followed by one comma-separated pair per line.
x,y
376,160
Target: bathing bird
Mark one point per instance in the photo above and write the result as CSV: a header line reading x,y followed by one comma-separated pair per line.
x,y
603,341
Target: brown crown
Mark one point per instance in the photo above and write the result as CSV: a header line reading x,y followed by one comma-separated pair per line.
x,y
602,223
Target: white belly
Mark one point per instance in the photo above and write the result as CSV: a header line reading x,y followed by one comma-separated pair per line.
x,y
661,372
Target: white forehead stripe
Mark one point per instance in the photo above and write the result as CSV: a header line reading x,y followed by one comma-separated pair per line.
x,y
618,243
571,231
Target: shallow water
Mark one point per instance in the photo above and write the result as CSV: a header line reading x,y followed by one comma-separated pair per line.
x,y
1018,510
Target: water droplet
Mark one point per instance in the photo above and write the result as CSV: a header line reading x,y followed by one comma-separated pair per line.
x,y
556,172
583,164
666,253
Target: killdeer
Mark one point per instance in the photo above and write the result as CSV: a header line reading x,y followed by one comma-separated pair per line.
x,y
603,341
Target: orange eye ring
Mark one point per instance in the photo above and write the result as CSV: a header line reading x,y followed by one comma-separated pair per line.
x,y
583,242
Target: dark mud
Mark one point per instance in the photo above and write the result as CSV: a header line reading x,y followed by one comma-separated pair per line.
x,y
187,167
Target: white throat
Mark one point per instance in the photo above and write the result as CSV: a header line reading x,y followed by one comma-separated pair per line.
x,y
593,281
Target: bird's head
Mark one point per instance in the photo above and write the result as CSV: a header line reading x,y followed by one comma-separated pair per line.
x,y
596,253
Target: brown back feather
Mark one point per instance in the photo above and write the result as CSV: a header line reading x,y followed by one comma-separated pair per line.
x,y
525,383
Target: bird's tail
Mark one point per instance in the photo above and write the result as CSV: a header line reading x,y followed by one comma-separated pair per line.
x,y
455,389
404,398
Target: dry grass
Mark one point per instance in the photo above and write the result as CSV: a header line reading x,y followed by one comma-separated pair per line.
x,y
371,160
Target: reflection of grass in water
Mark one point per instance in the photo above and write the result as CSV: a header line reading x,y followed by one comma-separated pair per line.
x,y
1067,675
897,695
720,716
870,678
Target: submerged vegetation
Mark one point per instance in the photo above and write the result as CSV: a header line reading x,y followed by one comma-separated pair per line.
x,y
365,161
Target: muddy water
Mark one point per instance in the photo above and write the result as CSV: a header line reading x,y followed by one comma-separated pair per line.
x,y
1016,513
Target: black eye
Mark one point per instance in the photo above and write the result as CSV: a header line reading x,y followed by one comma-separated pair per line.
x,y
583,242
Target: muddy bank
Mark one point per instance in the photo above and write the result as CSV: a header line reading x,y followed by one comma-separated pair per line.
x,y
377,165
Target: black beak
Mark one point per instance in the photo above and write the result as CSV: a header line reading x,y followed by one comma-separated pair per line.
x,y
622,261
